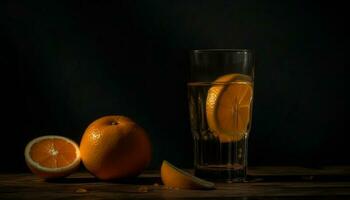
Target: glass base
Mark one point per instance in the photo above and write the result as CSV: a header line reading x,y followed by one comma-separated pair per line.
x,y
222,173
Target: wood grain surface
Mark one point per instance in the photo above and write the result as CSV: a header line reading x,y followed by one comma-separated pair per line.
x,y
262,183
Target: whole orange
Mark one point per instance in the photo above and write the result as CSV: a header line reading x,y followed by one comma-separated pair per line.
x,y
115,147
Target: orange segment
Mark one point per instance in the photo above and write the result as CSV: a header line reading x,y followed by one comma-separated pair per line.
x,y
228,107
52,156
177,178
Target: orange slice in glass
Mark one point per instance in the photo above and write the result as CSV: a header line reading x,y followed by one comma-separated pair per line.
x,y
228,107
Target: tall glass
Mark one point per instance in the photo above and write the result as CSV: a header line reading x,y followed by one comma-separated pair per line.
x,y
220,93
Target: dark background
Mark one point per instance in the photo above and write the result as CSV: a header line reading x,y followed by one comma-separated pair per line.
x,y
65,64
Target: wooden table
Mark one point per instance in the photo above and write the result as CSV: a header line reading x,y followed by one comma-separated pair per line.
x,y
263,183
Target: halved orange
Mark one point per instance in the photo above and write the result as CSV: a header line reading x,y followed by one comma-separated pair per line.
x,y
228,107
177,178
52,156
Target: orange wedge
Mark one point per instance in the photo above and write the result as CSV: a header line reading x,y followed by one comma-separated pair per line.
x,y
228,107
52,156
177,178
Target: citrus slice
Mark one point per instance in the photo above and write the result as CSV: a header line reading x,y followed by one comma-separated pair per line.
x,y
228,107
177,178
52,156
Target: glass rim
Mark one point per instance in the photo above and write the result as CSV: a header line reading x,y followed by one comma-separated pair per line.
x,y
221,50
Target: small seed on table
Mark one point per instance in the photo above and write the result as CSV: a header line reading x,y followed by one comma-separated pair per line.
x,y
143,189
81,190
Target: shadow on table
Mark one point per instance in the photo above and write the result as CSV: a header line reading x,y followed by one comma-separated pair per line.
x,y
298,178
134,181
157,180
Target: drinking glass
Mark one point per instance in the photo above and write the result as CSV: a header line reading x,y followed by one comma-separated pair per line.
x,y
220,95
